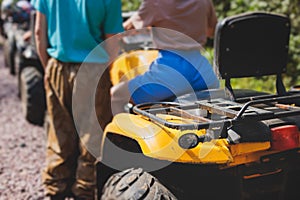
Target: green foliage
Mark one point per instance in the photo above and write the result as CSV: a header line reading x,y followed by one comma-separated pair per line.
x,y
130,5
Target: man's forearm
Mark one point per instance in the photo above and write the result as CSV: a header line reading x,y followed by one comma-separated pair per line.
x,y
112,46
41,38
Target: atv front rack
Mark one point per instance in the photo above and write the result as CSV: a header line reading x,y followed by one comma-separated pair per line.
x,y
219,112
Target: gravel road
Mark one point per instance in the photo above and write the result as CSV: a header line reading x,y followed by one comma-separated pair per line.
x,y
21,145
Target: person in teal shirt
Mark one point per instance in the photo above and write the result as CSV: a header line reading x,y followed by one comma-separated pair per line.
x,y
66,32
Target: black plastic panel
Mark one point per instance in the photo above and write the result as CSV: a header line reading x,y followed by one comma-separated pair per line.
x,y
251,45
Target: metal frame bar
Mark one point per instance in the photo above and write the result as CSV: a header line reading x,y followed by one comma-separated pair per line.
x,y
247,111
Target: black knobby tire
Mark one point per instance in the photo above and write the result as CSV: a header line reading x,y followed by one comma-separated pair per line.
x,y
26,62
135,184
33,95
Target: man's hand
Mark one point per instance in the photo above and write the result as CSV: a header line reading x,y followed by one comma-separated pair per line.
x,y
128,25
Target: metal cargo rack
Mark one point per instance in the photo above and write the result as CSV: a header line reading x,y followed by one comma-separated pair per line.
x,y
220,112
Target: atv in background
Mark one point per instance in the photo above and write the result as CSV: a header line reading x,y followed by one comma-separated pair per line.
x,y
135,57
20,56
15,17
31,80
237,144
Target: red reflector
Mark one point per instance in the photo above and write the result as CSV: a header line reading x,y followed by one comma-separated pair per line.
x,y
285,137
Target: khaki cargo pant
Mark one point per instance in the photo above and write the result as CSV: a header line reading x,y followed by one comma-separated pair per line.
x,y
70,168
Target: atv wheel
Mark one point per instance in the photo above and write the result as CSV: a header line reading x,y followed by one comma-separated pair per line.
x,y
33,95
135,184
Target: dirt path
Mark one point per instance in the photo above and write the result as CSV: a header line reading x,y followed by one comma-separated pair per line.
x,y
21,145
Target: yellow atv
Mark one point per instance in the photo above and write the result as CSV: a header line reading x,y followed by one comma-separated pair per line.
x,y
137,55
243,144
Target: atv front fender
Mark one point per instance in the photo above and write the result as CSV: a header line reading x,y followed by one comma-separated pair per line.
x,y
162,143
